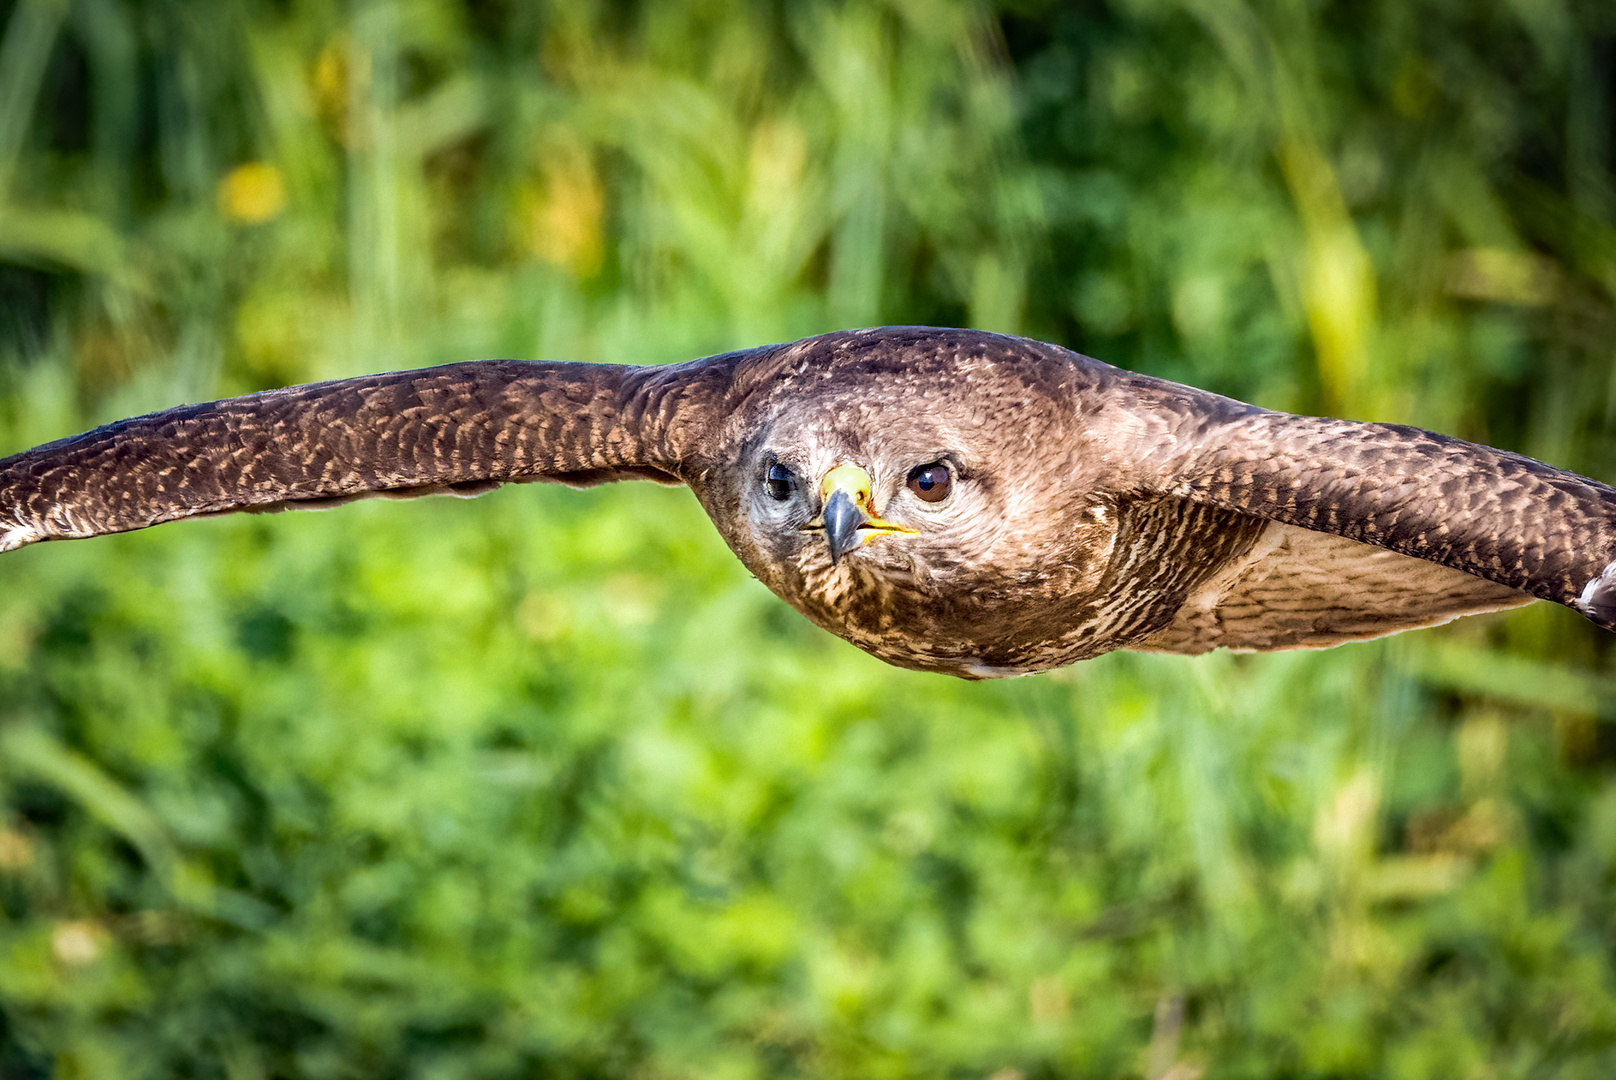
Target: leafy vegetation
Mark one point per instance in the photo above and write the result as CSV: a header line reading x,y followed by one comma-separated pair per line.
x,y
543,785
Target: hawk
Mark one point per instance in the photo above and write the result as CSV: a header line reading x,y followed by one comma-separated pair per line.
x,y
948,500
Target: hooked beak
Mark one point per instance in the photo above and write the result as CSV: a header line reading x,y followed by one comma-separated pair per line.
x,y
848,518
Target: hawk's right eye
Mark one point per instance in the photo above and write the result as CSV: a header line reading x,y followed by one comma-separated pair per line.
x,y
779,482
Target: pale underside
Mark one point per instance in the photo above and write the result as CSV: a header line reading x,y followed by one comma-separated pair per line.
x,y
1300,589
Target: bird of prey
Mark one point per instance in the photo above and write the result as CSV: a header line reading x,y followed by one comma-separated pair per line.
x,y
948,500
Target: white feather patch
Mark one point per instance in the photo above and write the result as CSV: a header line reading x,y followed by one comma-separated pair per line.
x,y
1603,583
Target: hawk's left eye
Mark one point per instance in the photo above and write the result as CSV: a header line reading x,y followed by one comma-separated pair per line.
x,y
931,483
778,482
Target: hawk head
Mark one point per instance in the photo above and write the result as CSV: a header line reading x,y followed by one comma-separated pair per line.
x,y
932,507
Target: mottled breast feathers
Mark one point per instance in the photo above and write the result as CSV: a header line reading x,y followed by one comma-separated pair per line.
x,y
947,500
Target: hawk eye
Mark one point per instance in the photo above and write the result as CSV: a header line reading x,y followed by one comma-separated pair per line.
x,y
778,482
931,483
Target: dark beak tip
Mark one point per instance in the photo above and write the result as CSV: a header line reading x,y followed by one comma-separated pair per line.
x,y
842,519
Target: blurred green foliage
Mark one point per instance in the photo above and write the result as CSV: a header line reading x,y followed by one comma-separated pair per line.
x,y
544,785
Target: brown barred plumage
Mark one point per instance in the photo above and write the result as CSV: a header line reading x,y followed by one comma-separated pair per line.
x,y
1090,508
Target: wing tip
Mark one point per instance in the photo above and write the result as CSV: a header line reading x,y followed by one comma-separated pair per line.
x,y
12,539
1598,599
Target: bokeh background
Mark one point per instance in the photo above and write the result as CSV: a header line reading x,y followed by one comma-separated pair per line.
x,y
543,785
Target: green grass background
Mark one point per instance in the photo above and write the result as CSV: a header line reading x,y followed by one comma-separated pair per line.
x,y
543,785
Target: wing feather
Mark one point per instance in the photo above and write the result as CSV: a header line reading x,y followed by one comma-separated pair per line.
x,y
457,429
1300,589
1489,513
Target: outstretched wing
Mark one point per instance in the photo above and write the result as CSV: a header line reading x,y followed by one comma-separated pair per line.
x,y
457,429
1499,517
